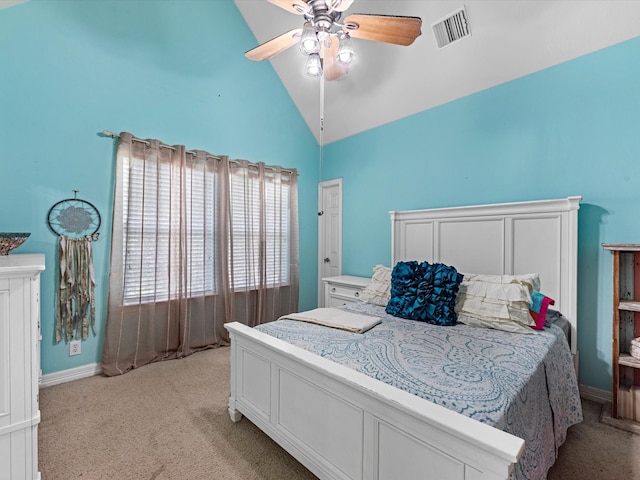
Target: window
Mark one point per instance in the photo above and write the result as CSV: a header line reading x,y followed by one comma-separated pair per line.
x,y
245,236
171,213
158,229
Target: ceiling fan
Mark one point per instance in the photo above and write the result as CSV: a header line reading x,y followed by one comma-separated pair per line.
x,y
326,41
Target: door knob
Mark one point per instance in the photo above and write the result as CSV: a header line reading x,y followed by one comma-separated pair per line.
x,y
327,260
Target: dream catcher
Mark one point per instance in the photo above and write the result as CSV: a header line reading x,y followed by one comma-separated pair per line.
x,y
76,222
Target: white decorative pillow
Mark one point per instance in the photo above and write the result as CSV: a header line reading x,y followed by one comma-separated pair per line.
x,y
497,301
507,325
378,291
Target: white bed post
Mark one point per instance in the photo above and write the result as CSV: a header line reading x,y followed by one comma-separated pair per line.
x,y
234,413
572,270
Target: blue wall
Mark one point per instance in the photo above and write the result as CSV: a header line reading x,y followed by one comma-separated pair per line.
x,y
163,69
573,129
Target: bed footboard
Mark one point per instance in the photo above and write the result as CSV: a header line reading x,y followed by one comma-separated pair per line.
x,y
342,424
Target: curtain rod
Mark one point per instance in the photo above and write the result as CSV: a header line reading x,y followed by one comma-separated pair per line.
x,y
108,133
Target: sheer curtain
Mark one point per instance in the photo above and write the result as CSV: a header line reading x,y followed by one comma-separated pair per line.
x,y
198,240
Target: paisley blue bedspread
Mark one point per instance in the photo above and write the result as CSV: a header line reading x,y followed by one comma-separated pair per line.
x,y
522,384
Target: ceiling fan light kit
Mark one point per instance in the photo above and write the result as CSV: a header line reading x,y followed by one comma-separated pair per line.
x,y
327,42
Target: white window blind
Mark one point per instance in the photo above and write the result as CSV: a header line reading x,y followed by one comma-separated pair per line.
x,y
245,240
160,229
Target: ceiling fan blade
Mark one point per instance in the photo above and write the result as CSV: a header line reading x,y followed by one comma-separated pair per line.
x,y
288,5
274,46
384,28
332,69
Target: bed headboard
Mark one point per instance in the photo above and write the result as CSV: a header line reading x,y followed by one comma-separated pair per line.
x,y
504,238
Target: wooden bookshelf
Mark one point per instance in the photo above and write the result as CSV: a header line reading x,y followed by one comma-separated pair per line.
x,y
626,322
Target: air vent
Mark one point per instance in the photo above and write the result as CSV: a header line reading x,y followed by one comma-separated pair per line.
x,y
451,28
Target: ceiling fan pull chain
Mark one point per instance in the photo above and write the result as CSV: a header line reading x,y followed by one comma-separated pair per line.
x,y
320,162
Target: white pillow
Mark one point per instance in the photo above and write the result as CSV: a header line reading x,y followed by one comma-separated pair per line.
x,y
507,326
378,291
497,301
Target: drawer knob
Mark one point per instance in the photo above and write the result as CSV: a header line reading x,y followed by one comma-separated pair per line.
x,y
333,289
357,294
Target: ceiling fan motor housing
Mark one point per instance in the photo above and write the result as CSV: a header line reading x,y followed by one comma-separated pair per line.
x,y
321,17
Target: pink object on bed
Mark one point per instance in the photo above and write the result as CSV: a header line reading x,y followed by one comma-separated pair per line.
x,y
539,309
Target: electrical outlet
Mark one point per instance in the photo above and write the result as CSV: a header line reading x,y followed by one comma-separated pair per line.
x,y
75,347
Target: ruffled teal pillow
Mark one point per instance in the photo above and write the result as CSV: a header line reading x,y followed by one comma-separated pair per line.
x,y
425,292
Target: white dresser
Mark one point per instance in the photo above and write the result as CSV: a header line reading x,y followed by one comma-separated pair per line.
x,y
343,289
19,365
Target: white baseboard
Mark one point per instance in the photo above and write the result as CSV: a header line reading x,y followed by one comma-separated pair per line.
x,y
595,394
69,375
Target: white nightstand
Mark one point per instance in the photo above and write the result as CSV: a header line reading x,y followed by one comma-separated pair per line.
x,y
343,289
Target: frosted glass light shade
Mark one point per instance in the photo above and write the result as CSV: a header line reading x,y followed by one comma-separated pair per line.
x,y
309,42
314,65
345,51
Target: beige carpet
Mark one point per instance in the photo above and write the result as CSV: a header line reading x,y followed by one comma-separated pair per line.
x,y
169,421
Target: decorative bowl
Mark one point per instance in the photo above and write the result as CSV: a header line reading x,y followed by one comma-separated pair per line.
x,y
9,241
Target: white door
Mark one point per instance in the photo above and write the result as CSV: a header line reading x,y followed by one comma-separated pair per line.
x,y
329,232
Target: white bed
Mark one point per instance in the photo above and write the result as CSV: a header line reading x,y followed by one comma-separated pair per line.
x,y
362,428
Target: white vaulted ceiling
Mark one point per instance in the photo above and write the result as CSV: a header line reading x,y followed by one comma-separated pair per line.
x,y
509,39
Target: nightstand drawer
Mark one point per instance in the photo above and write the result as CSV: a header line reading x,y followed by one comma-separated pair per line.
x,y
335,302
344,289
344,292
